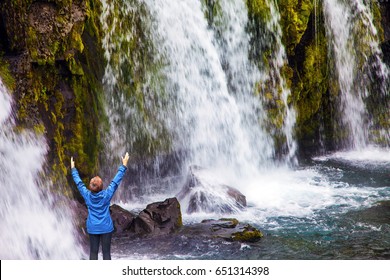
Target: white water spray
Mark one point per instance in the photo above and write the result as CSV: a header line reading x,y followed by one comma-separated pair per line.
x,y
208,119
217,116
30,227
354,43
214,114
278,60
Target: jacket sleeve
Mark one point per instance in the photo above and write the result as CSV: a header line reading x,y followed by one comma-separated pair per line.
x,y
79,183
116,181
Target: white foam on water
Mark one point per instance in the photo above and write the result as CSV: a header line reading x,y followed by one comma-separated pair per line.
x,y
302,193
369,155
222,129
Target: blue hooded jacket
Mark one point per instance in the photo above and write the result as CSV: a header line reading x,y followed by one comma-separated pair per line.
x,y
99,220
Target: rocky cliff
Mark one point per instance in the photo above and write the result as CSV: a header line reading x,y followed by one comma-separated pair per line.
x,y
52,59
53,53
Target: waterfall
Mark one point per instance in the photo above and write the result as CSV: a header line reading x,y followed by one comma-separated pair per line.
x,y
279,85
354,45
202,87
215,108
31,228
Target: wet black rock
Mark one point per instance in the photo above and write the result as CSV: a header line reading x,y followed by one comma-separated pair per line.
x,y
204,195
158,218
121,218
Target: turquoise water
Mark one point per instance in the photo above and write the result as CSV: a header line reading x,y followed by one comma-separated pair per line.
x,y
351,222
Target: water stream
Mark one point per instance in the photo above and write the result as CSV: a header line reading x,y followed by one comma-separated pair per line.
x,y
320,209
354,44
200,95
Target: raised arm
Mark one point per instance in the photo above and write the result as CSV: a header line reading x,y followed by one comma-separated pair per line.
x,y
112,187
76,178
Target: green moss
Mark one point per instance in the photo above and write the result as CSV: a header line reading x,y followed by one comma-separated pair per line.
x,y
93,11
64,106
40,129
75,67
32,40
313,82
259,10
377,19
75,40
179,222
294,18
313,91
249,234
212,12
139,81
5,74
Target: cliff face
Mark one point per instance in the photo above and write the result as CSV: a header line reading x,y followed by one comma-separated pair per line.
x,y
305,38
52,59
385,11
314,86
54,54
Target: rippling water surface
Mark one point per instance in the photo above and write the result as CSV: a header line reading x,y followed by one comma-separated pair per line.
x,y
335,207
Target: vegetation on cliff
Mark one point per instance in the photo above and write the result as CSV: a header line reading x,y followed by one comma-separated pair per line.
x,y
134,65
54,52
51,58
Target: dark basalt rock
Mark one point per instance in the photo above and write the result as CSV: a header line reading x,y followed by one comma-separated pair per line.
x,y
210,197
163,221
121,218
158,218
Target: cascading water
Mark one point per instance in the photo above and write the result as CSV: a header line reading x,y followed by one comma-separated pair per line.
x,y
354,42
215,114
203,95
195,88
30,228
210,108
279,87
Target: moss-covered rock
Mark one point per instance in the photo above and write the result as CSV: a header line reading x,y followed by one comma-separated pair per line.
x,y
135,81
57,66
53,61
229,229
310,86
294,19
247,234
6,75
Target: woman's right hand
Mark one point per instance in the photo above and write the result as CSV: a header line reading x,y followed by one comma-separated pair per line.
x,y
71,162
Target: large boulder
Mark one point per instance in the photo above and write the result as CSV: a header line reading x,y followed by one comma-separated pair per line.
x,y
121,218
201,193
158,218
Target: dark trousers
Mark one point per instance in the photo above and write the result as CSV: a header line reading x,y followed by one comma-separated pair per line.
x,y
94,240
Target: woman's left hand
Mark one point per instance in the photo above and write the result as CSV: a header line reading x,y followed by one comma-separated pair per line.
x,y
125,159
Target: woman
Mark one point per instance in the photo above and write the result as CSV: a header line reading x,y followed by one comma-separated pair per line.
x,y
99,222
